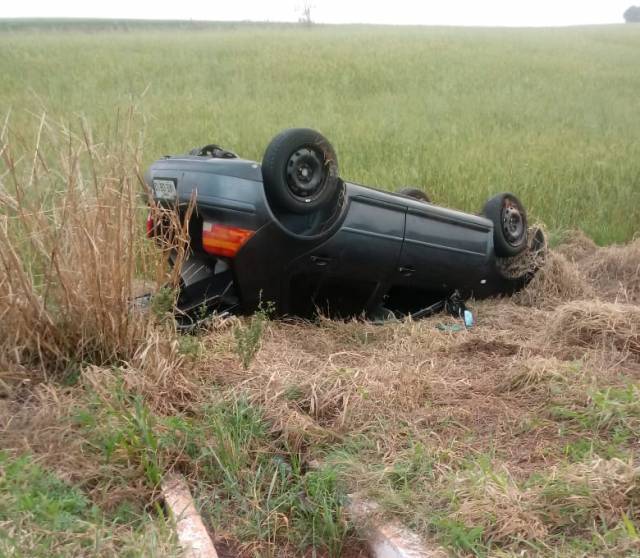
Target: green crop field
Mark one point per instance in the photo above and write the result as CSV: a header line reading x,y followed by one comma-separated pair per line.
x,y
550,114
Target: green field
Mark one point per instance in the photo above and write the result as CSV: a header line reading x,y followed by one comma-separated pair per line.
x,y
550,114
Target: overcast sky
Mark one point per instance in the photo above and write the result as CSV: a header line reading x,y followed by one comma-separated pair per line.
x,y
426,12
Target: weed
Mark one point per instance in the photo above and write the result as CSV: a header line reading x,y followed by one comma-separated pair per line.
x,y
613,411
410,467
614,408
28,489
294,393
123,429
42,516
266,491
461,537
189,346
249,336
70,252
319,516
162,303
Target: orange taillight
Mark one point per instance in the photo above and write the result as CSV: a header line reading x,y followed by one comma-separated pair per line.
x,y
223,240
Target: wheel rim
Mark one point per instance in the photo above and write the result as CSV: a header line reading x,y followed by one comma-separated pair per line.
x,y
512,223
305,172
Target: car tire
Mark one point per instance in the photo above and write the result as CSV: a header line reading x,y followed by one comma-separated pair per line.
x,y
415,193
509,224
300,170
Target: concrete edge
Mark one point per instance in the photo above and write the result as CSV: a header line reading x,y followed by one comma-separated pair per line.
x,y
388,539
192,534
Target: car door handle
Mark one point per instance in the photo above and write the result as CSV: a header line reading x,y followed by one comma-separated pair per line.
x,y
321,261
407,270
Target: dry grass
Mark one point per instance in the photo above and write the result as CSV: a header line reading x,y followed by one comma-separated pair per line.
x,y
71,258
529,261
558,281
576,246
495,502
603,489
614,271
594,324
354,377
70,247
600,490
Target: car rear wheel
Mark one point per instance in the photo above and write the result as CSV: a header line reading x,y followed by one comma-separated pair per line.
x,y
509,224
300,170
415,193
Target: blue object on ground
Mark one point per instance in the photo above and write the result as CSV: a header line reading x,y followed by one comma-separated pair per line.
x,y
468,319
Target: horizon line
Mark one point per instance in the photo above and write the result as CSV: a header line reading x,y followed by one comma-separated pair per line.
x,y
78,19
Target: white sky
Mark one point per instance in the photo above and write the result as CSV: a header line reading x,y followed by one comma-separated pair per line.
x,y
426,12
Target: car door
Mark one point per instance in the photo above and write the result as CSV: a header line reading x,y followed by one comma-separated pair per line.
x,y
344,275
443,249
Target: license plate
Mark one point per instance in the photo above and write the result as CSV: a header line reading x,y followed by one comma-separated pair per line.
x,y
164,189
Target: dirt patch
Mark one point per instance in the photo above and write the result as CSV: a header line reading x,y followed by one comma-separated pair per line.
x,y
495,347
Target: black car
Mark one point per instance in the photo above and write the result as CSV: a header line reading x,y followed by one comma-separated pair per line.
x,y
291,232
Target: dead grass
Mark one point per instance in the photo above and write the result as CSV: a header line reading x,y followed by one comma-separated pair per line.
x,y
594,324
493,501
602,489
563,501
535,373
71,256
615,272
558,281
575,246
529,261
70,247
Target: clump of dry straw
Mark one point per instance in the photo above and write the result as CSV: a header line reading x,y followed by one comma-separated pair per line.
x,y
72,245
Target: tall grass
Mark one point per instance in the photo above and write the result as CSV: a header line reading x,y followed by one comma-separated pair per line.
x,y
72,245
549,114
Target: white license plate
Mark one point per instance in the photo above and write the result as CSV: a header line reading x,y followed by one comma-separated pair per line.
x,y
164,189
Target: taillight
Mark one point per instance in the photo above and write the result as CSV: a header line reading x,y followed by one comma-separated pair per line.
x,y
150,225
223,240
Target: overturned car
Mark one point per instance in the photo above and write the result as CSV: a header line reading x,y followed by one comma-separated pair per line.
x,y
290,231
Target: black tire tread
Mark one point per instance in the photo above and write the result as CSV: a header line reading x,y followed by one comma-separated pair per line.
x,y
492,210
275,157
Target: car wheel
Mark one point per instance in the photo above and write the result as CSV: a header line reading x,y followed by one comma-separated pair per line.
x,y
415,193
509,224
300,170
